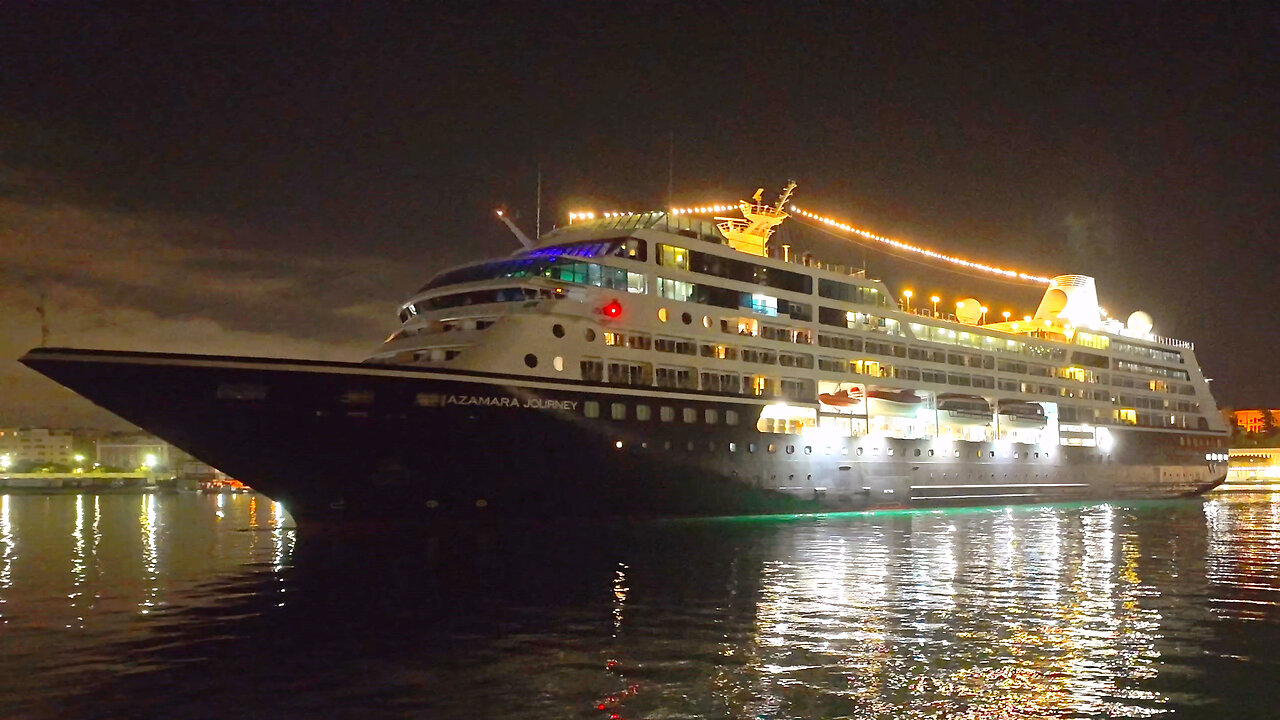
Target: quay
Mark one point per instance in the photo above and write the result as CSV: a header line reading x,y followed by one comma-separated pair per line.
x,y
1252,469
94,481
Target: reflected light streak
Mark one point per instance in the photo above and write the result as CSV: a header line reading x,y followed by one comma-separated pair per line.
x,y
7,555
150,554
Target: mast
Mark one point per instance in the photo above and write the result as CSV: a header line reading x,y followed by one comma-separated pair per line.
x,y
750,234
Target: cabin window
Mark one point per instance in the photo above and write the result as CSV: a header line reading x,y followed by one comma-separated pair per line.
x,y
557,330
618,411
355,397
730,417
711,416
667,413
733,447
591,409
241,391
643,412
690,415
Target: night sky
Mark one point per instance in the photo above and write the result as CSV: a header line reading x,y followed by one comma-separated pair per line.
x,y
272,179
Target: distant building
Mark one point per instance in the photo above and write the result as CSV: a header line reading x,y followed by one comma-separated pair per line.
x,y
37,444
1251,420
132,451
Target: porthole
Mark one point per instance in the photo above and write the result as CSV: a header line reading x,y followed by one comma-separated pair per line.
x,y
751,447
706,321
858,451
773,448
931,453
662,314
888,451
689,446
686,318
957,453
791,449
916,453
733,447
558,363
808,449
590,335
557,330
531,360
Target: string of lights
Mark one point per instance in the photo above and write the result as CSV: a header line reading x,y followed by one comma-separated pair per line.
x,y
925,252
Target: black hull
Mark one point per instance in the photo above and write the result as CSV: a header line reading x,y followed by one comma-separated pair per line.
x,y
353,440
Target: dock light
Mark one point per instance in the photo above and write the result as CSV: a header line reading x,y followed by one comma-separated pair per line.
x,y
613,309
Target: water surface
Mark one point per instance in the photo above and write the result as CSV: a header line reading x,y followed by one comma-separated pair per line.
x,y
198,606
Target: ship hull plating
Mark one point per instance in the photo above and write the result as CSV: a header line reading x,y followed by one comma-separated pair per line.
x,y
356,440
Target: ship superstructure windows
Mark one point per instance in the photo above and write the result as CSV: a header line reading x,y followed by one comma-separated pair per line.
x,y
563,269
732,269
850,292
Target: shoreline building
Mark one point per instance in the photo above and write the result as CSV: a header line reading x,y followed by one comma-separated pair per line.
x,y
42,445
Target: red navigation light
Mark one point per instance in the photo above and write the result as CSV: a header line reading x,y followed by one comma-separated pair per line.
x,y
613,309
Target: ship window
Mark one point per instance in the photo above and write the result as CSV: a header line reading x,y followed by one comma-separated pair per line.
x,y
667,413
531,360
730,417
591,409
558,363
791,449
916,453
859,451
773,448
589,334
618,411
666,445
662,314
888,451
751,447
356,397
993,453
643,412
711,416
733,447
241,391
957,453
557,330
706,321
930,453
689,446
690,415
686,318
592,370
808,449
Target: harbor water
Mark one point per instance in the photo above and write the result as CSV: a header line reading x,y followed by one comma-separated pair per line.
x,y
215,606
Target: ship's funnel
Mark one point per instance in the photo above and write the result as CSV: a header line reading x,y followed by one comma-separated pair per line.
x,y
1071,299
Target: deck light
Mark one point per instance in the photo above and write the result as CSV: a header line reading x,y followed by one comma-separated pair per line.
x,y
613,309
935,300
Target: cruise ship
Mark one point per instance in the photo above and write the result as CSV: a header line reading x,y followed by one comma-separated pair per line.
x,y
678,363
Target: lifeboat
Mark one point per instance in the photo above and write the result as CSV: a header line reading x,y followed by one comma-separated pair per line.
x,y
1021,414
961,409
898,403
841,398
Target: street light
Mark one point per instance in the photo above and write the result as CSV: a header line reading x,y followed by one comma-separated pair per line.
x,y
79,458
935,300
907,294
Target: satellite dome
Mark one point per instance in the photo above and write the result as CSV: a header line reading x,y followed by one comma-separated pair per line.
x,y
1139,322
969,311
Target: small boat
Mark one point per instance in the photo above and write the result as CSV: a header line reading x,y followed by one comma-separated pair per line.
x,y
902,403
1022,414
962,409
841,398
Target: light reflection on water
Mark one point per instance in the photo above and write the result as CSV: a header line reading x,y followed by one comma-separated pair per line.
x,y
208,606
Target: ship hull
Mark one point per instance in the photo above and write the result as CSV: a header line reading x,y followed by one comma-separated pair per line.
x,y
355,440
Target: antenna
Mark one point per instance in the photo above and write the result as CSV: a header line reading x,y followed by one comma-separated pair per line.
x,y
524,239
671,166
